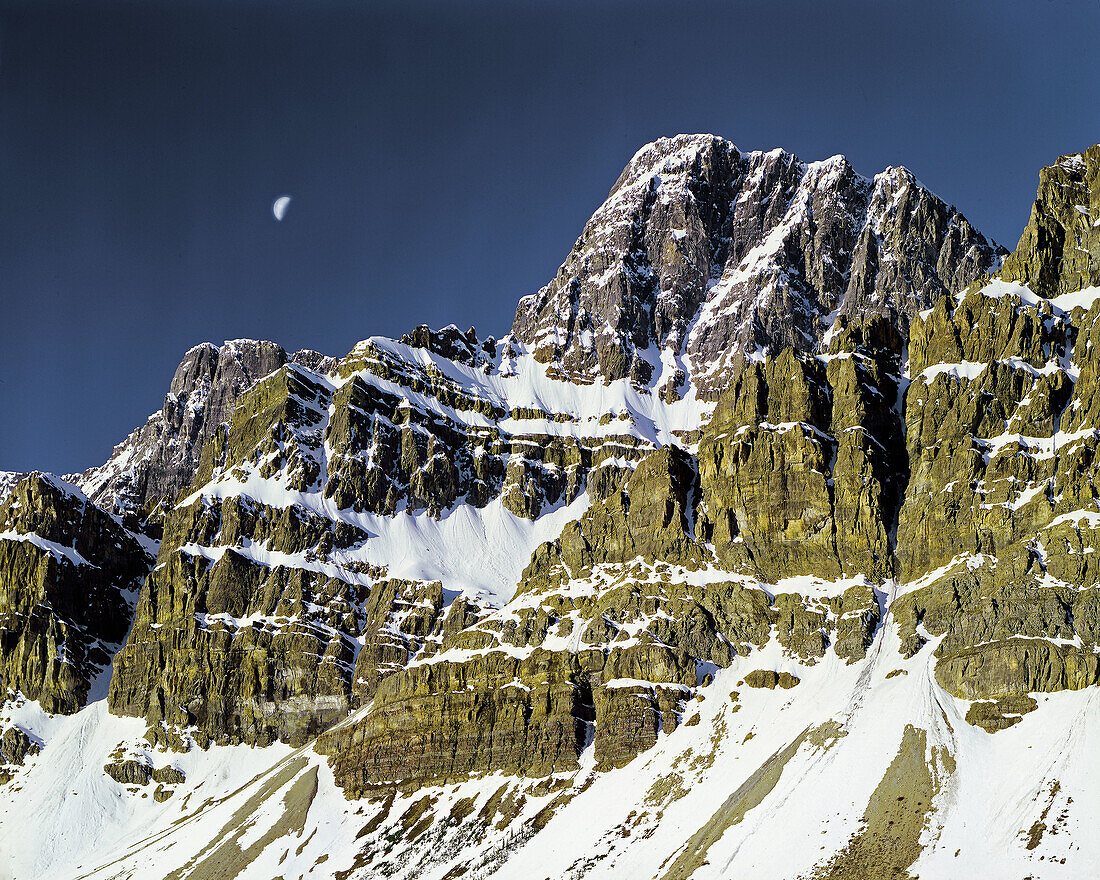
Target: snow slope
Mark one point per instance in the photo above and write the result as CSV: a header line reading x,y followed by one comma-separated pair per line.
x,y
281,807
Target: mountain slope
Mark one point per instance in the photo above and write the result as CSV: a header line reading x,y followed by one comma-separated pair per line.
x,y
68,579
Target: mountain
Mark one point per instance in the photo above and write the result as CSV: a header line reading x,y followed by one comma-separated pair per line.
x,y
761,546
703,255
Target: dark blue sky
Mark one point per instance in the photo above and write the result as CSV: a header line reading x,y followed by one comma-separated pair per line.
x,y
443,157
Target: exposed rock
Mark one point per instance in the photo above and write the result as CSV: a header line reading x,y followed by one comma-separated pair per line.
x,y
66,568
8,481
1000,714
822,461
770,679
996,529
454,345
649,518
159,459
800,466
642,633
1059,251
16,745
1016,666
242,652
129,772
754,252
442,720
168,775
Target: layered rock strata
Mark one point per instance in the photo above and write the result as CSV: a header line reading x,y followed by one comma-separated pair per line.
x,y
68,575
702,255
157,460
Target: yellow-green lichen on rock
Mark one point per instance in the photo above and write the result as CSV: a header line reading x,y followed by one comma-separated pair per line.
x,y
67,571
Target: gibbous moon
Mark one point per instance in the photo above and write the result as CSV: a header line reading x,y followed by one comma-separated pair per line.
x,y
279,208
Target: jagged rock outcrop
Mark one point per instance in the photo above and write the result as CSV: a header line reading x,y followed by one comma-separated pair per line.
x,y
400,427
998,525
454,345
770,679
241,650
8,481
800,466
1059,251
254,583
159,459
16,745
806,469
224,646
994,715
712,254
617,620
520,701
67,574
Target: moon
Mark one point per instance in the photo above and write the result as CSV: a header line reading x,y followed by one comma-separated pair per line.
x,y
279,208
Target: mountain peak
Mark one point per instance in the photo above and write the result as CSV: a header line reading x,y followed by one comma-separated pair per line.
x,y
712,255
1059,250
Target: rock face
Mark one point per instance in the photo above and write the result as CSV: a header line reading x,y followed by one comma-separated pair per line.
x,y
1059,251
454,345
157,460
710,255
253,584
809,465
997,529
16,746
807,468
801,464
67,572
616,622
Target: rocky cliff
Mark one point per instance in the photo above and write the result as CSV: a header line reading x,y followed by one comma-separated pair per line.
x,y
69,574
703,255
157,460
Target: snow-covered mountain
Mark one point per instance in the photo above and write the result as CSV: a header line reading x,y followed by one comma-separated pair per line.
x,y
703,255
761,546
